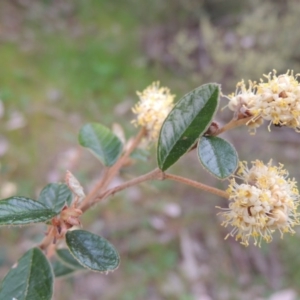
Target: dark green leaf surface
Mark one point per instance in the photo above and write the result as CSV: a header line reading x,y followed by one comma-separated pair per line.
x,y
218,156
102,142
61,269
92,251
189,119
67,258
55,196
30,279
22,210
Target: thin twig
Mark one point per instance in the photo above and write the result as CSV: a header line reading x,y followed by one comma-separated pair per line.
x,y
123,159
111,172
232,124
197,185
155,174
92,194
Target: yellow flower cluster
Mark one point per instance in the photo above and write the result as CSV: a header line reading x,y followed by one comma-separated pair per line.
x,y
154,106
264,202
277,101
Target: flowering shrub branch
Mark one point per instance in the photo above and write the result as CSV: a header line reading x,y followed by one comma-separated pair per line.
x,y
262,199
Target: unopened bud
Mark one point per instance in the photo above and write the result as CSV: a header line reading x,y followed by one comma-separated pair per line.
x,y
213,128
74,185
119,132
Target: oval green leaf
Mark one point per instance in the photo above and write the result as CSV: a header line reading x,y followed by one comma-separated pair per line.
x,y
217,156
92,251
140,154
189,119
102,142
55,196
22,210
60,269
67,259
30,279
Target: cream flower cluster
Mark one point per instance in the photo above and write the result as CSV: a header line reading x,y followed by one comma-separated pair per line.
x,y
277,101
266,201
154,106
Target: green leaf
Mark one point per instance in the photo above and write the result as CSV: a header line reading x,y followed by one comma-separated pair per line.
x,y
218,156
189,119
22,210
92,251
67,259
140,154
30,279
60,269
102,142
55,196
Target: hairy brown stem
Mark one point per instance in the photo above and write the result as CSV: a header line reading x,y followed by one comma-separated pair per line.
x,y
96,188
197,185
123,159
44,244
232,124
155,174
111,172
92,198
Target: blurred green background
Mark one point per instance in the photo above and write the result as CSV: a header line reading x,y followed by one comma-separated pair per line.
x,y
66,63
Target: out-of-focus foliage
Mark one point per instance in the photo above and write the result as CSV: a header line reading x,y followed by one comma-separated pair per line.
x,y
223,44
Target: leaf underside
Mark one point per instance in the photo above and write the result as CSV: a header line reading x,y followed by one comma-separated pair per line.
x,y
68,259
217,156
60,269
103,143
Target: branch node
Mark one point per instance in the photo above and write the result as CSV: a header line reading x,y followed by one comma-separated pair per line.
x,y
161,175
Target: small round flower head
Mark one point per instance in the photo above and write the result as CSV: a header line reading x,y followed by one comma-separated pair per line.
x,y
264,202
279,100
242,102
152,109
243,99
